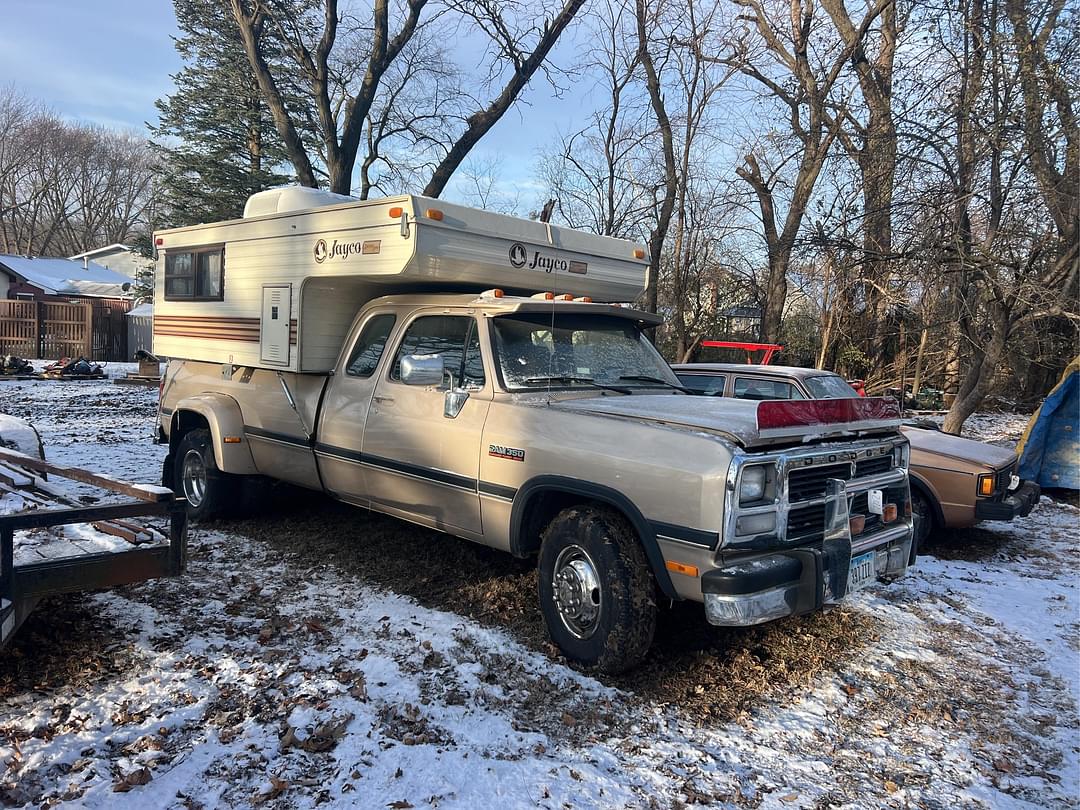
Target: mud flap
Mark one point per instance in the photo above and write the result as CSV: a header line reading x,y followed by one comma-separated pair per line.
x,y
837,543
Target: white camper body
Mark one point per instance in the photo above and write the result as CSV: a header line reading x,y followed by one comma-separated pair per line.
x,y
279,288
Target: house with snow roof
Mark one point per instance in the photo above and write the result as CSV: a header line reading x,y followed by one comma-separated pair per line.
x,y
52,307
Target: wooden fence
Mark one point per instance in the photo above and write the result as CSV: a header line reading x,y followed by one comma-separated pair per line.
x,y
47,329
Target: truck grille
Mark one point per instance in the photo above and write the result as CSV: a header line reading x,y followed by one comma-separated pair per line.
x,y
873,466
807,483
806,522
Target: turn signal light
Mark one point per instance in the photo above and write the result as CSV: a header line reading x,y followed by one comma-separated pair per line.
x,y
888,512
986,485
856,524
396,212
434,213
681,568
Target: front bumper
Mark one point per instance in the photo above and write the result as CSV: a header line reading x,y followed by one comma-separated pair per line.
x,y
1018,503
791,582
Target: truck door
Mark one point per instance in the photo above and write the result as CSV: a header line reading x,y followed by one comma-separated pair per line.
x,y
418,461
345,410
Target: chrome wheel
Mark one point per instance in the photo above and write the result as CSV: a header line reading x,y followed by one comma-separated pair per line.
x,y
193,475
576,587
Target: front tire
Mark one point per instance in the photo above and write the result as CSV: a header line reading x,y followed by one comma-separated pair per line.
x,y
597,592
208,491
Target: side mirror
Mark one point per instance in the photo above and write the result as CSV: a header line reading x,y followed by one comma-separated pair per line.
x,y
422,369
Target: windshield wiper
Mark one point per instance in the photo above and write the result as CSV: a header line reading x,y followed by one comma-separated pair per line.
x,y
563,378
645,378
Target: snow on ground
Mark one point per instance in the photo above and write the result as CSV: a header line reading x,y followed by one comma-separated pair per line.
x,y
260,679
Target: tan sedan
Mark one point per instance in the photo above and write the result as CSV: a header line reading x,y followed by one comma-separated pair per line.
x,y
955,482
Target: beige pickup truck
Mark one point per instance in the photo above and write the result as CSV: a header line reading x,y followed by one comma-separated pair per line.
x,y
552,428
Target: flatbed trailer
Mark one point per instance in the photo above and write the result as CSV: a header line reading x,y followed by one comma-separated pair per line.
x,y
67,564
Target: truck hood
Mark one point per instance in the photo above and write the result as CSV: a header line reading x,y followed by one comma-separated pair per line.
x,y
734,419
945,444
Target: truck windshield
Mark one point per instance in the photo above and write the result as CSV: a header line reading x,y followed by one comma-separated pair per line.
x,y
829,386
576,351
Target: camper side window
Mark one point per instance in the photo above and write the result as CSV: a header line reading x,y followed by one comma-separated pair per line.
x,y
197,275
369,346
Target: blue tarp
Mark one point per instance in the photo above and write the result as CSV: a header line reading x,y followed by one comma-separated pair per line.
x,y
1050,448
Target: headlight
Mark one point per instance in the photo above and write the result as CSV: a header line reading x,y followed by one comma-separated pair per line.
x,y
752,484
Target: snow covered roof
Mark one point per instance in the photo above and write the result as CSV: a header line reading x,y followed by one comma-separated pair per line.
x,y
142,311
66,277
116,247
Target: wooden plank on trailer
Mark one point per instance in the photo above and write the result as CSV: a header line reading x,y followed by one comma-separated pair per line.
x,y
14,478
144,492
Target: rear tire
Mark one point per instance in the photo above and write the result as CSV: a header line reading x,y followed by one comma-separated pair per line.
x,y
597,592
210,493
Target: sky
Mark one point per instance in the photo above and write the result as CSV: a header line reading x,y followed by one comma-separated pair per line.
x,y
107,61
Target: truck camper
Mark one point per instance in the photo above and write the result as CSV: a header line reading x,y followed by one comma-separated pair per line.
x,y
279,288
482,375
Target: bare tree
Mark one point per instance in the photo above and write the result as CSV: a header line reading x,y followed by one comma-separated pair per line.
x,y
811,73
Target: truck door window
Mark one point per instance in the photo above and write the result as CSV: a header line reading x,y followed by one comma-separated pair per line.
x,y
455,337
369,346
757,388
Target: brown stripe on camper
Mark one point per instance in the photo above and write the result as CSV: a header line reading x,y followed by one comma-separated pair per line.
x,y
206,327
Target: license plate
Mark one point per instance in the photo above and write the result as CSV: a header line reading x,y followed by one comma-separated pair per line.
x,y
862,571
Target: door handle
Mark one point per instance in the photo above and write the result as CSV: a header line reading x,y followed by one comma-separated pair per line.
x,y
382,398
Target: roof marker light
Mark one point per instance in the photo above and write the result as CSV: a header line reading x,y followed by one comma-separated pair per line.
x,y
434,213
495,293
639,253
584,299
396,212
544,296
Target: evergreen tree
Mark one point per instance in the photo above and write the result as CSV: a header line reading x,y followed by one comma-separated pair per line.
x,y
215,138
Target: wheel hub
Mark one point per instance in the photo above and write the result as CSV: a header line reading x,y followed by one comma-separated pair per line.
x,y
194,478
576,586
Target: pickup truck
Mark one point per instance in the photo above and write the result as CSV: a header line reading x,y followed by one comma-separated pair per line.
x,y
552,428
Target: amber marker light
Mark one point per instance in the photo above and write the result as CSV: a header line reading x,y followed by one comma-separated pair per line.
x,y
231,439
682,568
986,485
856,524
639,253
397,211
434,213
888,512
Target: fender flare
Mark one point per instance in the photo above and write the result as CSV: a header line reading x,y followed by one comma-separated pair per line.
x,y
222,414
594,492
924,489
